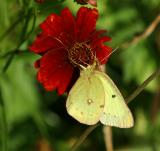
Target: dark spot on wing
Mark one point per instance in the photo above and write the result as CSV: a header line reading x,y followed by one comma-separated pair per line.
x,y
101,106
81,113
113,96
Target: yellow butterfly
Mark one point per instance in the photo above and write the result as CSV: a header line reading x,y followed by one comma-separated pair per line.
x,y
95,97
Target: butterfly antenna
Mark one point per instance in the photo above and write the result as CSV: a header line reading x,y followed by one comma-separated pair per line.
x,y
59,41
56,48
110,53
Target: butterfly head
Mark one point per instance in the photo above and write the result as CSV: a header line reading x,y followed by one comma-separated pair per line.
x,y
90,69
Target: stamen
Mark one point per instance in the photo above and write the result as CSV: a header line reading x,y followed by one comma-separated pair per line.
x,y
81,54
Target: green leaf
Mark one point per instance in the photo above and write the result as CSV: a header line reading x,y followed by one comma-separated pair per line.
x,y
138,64
4,20
18,91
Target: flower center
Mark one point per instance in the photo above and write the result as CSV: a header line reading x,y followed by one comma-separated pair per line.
x,y
81,54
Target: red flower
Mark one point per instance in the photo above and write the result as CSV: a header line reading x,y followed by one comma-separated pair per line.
x,y
66,42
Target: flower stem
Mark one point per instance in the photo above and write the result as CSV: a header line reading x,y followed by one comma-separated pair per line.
x,y
84,136
145,34
4,130
12,27
142,86
128,100
24,37
107,130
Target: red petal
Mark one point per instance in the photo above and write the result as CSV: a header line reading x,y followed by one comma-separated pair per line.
x,y
52,25
52,82
57,27
43,43
103,53
97,33
60,79
86,22
65,78
98,42
50,62
68,23
55,71
96,38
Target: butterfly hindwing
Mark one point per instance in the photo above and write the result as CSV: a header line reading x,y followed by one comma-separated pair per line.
x,y
116,112
85,101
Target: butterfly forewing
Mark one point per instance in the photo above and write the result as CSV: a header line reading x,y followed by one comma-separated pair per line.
x,y
116,112
85,101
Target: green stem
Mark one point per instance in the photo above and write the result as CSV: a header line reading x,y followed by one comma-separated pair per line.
x,y
24,37
142,86
39,121
16,52
11,27
4,130
84,136
128,100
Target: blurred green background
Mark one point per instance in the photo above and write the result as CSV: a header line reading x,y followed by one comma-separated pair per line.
x,y
36,120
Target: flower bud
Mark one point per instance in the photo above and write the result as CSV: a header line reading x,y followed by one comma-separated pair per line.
x,y
84,2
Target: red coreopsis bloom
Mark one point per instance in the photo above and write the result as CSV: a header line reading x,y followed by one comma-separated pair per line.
x,y
65,43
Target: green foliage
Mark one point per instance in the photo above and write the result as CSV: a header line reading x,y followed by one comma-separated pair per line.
x,y
32,113
139,65
18,91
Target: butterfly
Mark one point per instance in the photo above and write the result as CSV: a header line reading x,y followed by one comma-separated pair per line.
x,y
94,97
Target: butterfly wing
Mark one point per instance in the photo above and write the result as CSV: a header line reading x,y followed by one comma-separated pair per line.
x,y
85,101
116,112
